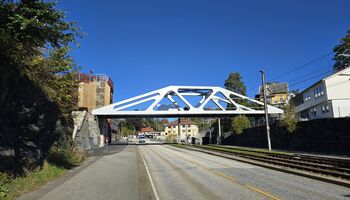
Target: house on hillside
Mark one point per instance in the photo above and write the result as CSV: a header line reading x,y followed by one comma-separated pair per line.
x,y
188,129
277,94
148,132
327,98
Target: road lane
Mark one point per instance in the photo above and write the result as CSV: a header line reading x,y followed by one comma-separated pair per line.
x,y
202,176
176,178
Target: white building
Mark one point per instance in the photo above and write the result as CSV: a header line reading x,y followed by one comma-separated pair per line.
x,y
188,129
327,98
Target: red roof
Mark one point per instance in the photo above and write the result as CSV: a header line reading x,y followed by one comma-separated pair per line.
x,y
147,129
165,121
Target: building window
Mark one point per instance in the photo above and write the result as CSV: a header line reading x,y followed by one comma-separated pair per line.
x,y
325,108
307,96
183,126
189,131
313,112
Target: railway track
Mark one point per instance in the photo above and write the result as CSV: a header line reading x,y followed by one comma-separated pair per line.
x,y
339,168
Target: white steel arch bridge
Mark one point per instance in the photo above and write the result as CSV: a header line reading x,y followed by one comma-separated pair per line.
x,y
185,101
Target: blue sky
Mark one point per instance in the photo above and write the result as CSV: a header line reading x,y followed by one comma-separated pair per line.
x,y
146,45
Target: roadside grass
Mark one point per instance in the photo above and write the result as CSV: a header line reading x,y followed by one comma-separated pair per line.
x,y
12,188
223,149
251,149
243,150
59,160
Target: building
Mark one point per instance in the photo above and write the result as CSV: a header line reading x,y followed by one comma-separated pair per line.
x,y
327,98
94,91
148,132
277,94
188,129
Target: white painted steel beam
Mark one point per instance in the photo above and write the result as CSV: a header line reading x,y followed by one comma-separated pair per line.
x,y
207,94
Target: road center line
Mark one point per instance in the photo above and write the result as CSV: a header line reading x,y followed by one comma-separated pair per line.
x,y
230,178
149,175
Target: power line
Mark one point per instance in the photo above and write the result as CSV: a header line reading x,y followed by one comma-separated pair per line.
x,y
301,66
306,78
294,69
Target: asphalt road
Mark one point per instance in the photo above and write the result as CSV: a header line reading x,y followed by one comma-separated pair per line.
x,y
166,172
184,174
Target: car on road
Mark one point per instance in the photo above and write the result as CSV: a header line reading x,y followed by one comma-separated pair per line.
x,y
142,141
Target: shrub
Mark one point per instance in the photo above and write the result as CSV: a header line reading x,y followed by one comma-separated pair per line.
x,y
66,156
171,137
240,123
289,121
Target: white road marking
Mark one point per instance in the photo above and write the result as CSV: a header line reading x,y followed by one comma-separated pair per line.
x,y
149,176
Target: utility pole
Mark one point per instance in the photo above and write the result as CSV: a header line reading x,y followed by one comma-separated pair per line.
x,y
178,131
265,108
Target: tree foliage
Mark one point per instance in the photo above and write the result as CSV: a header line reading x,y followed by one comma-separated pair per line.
x,y
35,38
239,123
342,61
28,26
234,83
37,79
289,121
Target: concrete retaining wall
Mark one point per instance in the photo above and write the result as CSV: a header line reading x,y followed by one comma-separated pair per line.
x,y
328,136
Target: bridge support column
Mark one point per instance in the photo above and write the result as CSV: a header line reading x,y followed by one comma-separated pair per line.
x,y
219,130
210,131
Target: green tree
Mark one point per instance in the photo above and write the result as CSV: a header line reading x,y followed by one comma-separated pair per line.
x,y
29,26
35,38
239,123
37,86
341,61
234,83
289,121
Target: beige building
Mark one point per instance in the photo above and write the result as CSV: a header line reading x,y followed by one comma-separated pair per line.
x,y
94,91
277,94
188,129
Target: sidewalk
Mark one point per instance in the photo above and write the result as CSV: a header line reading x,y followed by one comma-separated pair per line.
x,y
119,175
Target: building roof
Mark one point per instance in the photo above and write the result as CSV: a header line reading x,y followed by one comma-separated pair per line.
x,y
344,71
275,88
182,122
87,78
165,121
147,129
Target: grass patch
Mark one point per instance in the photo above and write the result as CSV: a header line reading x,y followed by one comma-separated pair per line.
x,y
12,188
251,150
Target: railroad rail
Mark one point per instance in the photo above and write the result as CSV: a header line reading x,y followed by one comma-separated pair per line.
x,y
338,168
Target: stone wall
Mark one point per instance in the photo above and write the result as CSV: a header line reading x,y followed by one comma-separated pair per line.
x,y
327,136
88,135
30,122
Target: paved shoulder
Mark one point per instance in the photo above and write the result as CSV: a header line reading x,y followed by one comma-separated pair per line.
x,y
116,176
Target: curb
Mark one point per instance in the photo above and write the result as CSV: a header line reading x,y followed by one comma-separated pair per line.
x,y
277,168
